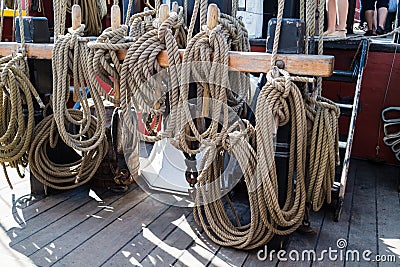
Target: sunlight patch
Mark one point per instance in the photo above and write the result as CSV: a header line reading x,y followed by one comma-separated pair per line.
x,y
393,245
93,195
126,253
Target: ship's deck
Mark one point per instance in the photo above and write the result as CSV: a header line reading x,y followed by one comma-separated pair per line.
x,y
95,227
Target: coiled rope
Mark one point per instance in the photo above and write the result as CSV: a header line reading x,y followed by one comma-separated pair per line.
x,y
324,151
87,135
280,98
137,83
17,110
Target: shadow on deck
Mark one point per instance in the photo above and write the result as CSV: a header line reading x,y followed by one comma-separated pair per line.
x,y
93,227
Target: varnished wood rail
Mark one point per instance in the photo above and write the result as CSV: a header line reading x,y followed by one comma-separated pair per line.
x,y
256,62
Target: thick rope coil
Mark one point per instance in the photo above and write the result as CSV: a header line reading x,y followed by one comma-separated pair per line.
x,y
138,85
324,150
16,94
70,60
67,175
17,110
284,101
103,58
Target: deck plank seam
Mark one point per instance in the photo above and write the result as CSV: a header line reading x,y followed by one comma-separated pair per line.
x,y
78,226
319,234
376,215
245,259
77,247
137,234
52,222
193,242
213,257
189,246
122,214
351,211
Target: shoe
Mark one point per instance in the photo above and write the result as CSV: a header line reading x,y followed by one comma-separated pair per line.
x,y
369,33
380,31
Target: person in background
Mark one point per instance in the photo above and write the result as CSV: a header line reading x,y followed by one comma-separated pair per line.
x,y
382,11
392,10
337,16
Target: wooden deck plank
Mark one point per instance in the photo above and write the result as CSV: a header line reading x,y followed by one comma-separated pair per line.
x,y
57,228
149,238
66,243
174,245
229,256
20,230
253,260
202,250
362,231
331,231
388,212
112,238
19,200
300,242
12,226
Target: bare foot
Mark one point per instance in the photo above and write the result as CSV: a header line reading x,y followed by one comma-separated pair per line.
x,y
328,32
337,34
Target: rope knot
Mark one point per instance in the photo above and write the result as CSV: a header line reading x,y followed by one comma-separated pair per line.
x,y
167,26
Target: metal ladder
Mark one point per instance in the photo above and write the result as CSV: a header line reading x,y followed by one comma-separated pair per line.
x,y
355,75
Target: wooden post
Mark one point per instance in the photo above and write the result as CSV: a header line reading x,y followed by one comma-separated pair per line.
x,y
76,18
175,7
115,17
115,24
212,22
163,13
212,16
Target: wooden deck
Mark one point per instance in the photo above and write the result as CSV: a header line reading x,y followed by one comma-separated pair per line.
x,y
94,227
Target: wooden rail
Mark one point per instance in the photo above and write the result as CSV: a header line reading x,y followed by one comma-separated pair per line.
x,y
256,62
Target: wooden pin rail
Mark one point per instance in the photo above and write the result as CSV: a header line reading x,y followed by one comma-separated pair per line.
x,y
256,62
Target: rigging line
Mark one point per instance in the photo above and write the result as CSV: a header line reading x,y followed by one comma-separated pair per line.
x,y
384,99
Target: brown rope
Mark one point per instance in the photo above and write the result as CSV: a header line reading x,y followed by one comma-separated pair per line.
x,y
70,60
16,93
324,151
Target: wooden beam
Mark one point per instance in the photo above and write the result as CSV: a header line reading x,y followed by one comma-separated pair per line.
x,y
256,62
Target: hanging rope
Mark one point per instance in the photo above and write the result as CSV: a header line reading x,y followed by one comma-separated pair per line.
x,y
17,110
60,10
103,59
137,83
324,150
78,129
67,175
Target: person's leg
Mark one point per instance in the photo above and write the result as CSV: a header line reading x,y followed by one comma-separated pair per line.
x,y
382,9
369,7
369,17
343,8
331,7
